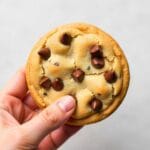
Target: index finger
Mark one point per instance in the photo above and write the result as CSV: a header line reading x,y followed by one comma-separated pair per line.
x,y
17,85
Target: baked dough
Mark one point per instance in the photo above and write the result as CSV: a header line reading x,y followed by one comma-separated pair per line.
x,y
81,60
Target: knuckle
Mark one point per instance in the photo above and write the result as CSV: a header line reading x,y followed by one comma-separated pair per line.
x,y
7,100
49,117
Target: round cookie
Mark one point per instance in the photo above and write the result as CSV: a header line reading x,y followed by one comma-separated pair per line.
x,y
83,61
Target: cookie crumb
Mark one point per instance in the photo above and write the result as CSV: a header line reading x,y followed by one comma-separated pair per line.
x,y
56,64
88,68
45,94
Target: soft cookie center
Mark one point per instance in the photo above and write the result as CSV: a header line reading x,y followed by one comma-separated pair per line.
x,y
75,63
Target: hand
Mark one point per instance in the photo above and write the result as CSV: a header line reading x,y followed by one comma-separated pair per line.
x,y
23,127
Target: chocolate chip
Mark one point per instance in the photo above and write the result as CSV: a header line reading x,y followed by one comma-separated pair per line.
x,y
45,82
110,76
66,39
78,75
44,53
96,51
96,104
98,62
58,84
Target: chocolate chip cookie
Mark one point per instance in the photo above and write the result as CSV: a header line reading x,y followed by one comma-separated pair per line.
x,y
83,61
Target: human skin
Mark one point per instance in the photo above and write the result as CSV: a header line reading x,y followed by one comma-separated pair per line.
x,y
24,127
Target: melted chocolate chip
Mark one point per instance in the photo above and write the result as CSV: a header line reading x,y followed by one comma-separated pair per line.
x,y
58,84
96,51
98,62
96,104
44,53
78,75
110,76
45,82
66,39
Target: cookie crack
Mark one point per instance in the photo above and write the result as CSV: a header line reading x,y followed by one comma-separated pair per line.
x,y
51,34
113,89
90,74
110,61
43,69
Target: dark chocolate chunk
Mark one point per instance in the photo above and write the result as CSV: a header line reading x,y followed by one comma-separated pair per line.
x,y
58,84
78,75
66,39
110,76
96,104
96,51
98,62
45,82
44,53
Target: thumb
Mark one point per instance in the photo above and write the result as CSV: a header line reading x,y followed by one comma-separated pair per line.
x,y
49,119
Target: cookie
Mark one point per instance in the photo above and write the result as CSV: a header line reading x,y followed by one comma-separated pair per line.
x,y
81,60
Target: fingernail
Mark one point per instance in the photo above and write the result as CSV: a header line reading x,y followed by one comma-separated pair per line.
x,y
66,103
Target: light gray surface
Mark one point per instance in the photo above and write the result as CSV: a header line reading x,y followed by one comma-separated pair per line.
x,y
22,22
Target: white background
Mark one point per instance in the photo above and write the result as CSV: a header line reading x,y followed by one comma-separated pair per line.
x,y
22,22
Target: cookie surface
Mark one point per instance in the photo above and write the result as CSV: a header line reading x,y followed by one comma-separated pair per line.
x,y
83,61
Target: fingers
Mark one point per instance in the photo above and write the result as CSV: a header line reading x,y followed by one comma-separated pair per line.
x,y
30,102
49,119
17,86
60,135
